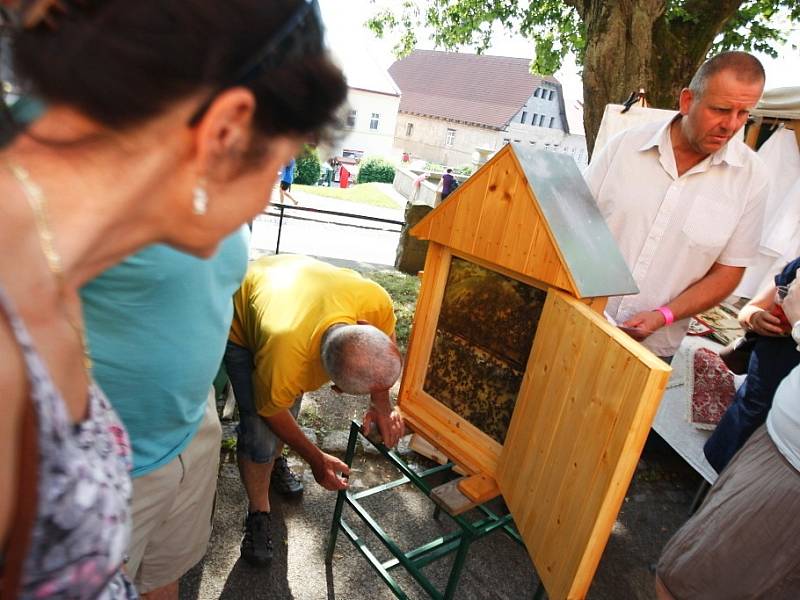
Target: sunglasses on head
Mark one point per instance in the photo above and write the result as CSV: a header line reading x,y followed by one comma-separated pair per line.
x,y
301,35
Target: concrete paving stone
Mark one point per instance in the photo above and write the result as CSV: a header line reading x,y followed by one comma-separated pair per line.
x,y
229,471
310,434
335,441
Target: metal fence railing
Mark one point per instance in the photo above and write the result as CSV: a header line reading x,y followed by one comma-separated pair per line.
x,y
317,215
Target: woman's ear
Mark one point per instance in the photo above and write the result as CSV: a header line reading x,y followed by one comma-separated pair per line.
x,y
224,133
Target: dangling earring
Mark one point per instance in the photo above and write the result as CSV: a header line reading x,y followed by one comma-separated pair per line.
x,y
200,198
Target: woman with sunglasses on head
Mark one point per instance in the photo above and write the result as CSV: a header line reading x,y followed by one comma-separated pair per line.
x,y
165,121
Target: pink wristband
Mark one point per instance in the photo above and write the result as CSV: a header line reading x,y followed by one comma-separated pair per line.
x,y
669,318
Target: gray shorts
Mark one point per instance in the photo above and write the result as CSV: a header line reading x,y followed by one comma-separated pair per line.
x,y
255,440
744,542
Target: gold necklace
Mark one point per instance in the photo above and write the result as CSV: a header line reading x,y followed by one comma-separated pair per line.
x,y
38,203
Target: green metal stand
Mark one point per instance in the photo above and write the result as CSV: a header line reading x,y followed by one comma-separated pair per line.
x,y
414,560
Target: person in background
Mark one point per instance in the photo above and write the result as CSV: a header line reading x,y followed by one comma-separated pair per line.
x,y
774,354
141,141
744,540
299,322
416,186
684,199
448,183
287,178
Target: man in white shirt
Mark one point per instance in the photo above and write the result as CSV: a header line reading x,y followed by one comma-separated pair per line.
x,y
685,202
744,541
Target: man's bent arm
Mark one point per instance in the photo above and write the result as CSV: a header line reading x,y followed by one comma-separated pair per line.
x,y
713,288
718,284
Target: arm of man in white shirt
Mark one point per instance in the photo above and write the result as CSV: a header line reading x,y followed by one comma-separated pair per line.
x,y
718,284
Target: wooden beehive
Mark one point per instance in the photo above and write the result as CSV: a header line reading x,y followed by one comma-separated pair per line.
x,y
513,373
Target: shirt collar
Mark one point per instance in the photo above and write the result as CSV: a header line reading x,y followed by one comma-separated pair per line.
x,y
731,153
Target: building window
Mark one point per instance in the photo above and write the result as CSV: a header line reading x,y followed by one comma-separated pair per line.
x,y
506,141
550,97
533,119
536,92
552,120
351,119
409,129
451,137
541,120
523,117
373,122
517,141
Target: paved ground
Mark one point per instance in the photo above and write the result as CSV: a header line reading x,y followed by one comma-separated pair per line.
x,y
497,568
655,506
350,239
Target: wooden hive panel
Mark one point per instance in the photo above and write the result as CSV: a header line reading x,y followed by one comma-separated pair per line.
x,y
581,419
493,216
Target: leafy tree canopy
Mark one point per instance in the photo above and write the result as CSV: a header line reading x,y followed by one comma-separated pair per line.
x,y
621,45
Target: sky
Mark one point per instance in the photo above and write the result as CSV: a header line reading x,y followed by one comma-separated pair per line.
x,y
357,46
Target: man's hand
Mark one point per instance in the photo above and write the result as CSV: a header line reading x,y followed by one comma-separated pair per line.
x,y
390,425
641,325
326,471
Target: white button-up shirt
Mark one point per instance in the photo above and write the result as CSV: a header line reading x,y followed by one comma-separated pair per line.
x,y
670,229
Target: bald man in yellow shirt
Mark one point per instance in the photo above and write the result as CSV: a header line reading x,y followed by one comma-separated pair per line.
x,y
298,323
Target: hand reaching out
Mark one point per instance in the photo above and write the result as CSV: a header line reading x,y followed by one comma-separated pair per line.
x,y
641,325
390,425
326,472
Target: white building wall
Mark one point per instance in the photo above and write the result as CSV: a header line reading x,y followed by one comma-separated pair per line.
x,y
361,138
429,136
428,140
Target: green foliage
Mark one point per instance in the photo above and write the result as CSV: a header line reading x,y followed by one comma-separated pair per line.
x,y
556,28
432,167
404,290
375,169
365,193
464,170
307,167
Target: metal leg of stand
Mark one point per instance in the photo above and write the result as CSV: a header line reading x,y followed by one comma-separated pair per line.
x,y
458,566
340,498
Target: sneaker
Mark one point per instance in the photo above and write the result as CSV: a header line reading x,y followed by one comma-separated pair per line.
x,y
257,540
283,481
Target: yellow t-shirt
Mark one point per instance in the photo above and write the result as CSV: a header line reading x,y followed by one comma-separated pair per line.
x,y
285,305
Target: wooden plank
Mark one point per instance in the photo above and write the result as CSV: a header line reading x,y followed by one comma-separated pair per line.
x,y
502,270
522,219
559,370
628,444
573,446
479,488
441,227
541,399
586,472
427,229
494,209
459,439
429,302
450,497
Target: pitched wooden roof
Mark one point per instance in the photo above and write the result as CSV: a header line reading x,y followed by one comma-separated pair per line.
x,y
470,88
530,212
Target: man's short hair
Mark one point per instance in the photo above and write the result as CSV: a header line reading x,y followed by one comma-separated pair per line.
x,y
745,66
360,358
449,170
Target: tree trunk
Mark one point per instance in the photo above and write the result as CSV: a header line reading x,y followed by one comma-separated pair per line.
x,y
630,44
